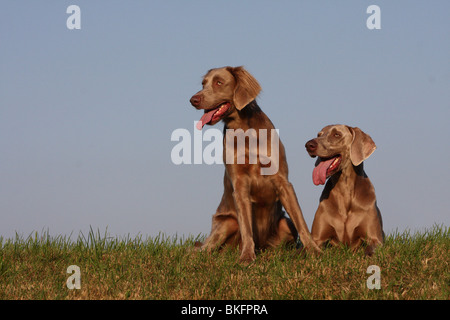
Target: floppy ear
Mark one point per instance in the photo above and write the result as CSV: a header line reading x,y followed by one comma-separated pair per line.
x,y
362,146
247,88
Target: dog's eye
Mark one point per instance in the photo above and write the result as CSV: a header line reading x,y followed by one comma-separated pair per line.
x,y
337,135
219,83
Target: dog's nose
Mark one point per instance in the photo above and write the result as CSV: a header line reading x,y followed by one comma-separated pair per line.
x,y
195,100
311,145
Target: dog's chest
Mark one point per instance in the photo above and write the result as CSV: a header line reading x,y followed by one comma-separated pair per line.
x,y
262,191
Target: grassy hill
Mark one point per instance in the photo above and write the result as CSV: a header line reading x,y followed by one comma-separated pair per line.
x,y
412,266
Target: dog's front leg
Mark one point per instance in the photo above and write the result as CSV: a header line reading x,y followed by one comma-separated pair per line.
x,y
241,195
224,221
289,201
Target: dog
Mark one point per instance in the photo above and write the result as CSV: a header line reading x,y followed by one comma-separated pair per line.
x,y
348,211
250,212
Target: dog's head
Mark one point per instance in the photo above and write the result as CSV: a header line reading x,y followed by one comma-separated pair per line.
x,y
337,147
225,90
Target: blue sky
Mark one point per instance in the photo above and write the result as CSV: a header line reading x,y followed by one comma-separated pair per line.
x,y
86,116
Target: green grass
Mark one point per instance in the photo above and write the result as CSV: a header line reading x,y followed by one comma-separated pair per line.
x,y
413,266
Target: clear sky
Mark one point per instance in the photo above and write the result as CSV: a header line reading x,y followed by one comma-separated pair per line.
x,y
86,116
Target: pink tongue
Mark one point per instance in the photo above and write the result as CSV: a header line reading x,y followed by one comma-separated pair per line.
x,y
320,172
205,119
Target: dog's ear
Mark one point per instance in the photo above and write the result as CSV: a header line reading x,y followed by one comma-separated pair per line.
x,y
247,87
362,146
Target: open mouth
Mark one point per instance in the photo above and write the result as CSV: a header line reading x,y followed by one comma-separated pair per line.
x,y
213,115
325,168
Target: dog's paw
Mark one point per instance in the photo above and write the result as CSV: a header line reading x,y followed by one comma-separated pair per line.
x,y
247,257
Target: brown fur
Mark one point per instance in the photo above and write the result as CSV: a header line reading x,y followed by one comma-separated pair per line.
x,y
250,212
347,212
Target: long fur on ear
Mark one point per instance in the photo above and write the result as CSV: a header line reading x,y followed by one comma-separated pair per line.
x,y
362,146
247,87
